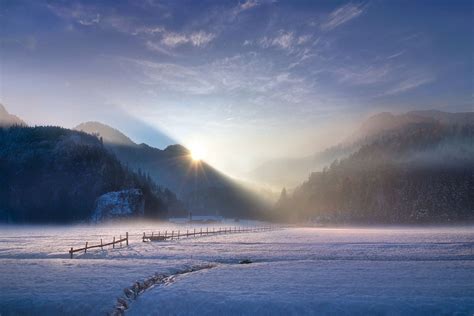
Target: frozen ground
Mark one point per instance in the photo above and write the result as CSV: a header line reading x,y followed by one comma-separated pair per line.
x,y
294,271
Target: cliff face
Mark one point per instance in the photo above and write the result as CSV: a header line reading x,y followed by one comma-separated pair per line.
x,y
119,204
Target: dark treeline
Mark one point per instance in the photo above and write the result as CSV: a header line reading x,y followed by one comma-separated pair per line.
x,y
52,174
423,173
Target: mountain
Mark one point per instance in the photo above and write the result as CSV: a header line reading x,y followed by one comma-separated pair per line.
x,y
7,119
419,172
111,135
53,174
385,122
291,171
203,189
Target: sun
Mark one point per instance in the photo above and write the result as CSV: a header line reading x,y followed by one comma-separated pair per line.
x,y
198,153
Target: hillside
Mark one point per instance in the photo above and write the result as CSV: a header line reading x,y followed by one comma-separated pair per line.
x,y
203,189
52,174
421,173
7,119
290,172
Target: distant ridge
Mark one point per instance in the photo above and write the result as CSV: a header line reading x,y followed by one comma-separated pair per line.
x,y
386,121
109,134
7,119
376,126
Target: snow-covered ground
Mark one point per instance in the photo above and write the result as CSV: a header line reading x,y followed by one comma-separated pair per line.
x,y
294,271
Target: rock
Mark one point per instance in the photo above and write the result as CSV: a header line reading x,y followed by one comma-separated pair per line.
x,y
119,204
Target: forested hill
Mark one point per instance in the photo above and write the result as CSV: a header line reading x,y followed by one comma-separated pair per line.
x,y
292,171
421,173
52,174
202,188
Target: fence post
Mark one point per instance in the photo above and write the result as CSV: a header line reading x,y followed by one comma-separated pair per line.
x,y
187,233
194,235
201,232
178,234
172,233
143,237
207,231
113,244
126,234
71,251
120,241
85,249
101,247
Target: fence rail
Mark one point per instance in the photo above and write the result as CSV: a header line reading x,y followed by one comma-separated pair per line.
x,y
101,245
172,235
163,236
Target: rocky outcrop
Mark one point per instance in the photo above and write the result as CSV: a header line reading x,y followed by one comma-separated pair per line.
x,y
120,204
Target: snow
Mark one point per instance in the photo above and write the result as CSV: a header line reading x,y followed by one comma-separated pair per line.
x,y
293,271
118,204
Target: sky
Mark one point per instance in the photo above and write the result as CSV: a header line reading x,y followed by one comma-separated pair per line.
x,y
242,81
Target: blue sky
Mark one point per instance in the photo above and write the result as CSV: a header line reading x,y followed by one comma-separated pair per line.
x,y
247,80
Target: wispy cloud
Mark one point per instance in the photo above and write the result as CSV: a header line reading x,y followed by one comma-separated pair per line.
x,y
174,39
201,38
249,4
342,15
396,54
363,75
78,13
283,40
158,47
247,78
410,84
197,39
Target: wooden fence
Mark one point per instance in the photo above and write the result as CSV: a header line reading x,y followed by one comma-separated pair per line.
x,y
101,245
162,236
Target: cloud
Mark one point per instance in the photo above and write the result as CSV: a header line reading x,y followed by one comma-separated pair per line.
x,y
150,30
89,20
410,84
303,39
342,15
396,54
174,39
284,40
244,78
363,75
158,47
78,13
201,38
173,77
249,4
197,39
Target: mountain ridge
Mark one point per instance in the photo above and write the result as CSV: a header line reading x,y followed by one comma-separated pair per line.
x,y
7,119
371,128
